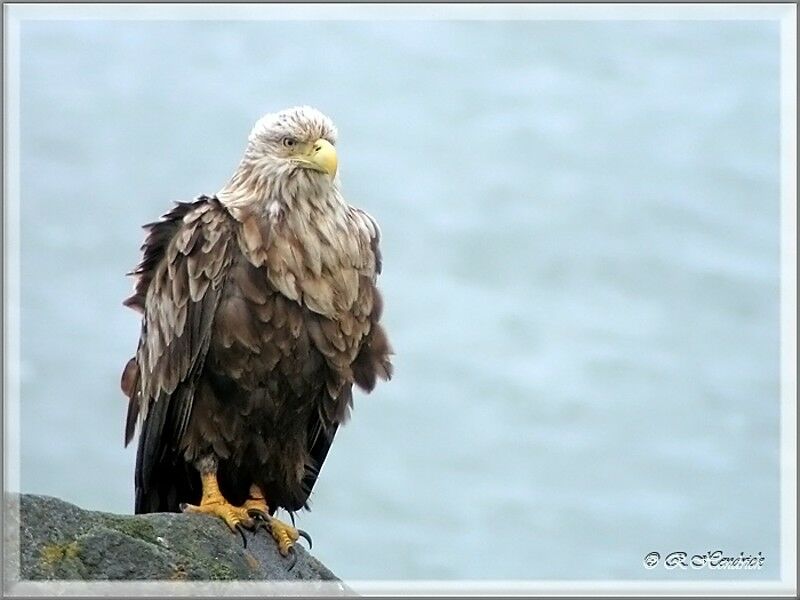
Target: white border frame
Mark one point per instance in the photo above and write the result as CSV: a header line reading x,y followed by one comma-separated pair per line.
x,y
785,13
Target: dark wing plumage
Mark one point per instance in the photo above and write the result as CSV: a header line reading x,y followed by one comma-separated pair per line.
x,y
371,362
207,272
180,277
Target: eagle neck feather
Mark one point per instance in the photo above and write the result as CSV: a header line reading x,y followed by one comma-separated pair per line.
x,y
299,226
279,188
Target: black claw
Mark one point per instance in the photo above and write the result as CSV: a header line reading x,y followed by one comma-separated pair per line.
x,y
240,529
292,557
306,537
265,524
258,514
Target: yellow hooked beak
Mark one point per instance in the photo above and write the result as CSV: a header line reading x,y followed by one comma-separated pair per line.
x,y
321,156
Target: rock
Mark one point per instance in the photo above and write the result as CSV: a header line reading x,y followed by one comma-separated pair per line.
x,y
60,541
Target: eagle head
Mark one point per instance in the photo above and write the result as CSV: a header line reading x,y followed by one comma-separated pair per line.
x,y
296,138
289,154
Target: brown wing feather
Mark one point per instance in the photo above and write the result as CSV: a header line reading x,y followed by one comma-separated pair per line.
x,y
331,339
187,258
180,278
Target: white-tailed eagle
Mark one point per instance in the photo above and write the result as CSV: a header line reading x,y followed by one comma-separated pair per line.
x,y
259,313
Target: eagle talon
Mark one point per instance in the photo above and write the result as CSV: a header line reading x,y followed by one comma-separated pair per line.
x,y
284,535
258,514
306,537
213,503
292,556
261,524
240,529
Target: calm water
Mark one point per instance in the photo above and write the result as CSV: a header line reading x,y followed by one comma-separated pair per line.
x,y
580,225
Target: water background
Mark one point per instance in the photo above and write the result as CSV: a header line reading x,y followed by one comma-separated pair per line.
x,y
581,272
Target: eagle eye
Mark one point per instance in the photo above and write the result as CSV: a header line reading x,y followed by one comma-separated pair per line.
x,y
289,142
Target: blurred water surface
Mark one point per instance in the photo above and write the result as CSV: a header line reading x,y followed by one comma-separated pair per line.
x,y
581,272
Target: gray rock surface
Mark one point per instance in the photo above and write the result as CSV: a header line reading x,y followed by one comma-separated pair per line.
x,y
60,541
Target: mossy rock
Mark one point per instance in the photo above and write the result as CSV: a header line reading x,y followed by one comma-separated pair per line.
x,y
60,541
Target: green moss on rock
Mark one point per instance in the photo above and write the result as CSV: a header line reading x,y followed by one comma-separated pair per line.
x,y
52,554
61,541
136,528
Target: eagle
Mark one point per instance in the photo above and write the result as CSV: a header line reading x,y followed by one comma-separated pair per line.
x,y
259,313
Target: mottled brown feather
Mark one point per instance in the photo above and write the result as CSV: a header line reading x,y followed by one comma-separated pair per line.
x,y
254,331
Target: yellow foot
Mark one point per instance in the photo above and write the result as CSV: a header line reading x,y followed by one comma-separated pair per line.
x,y
284,535
235,517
